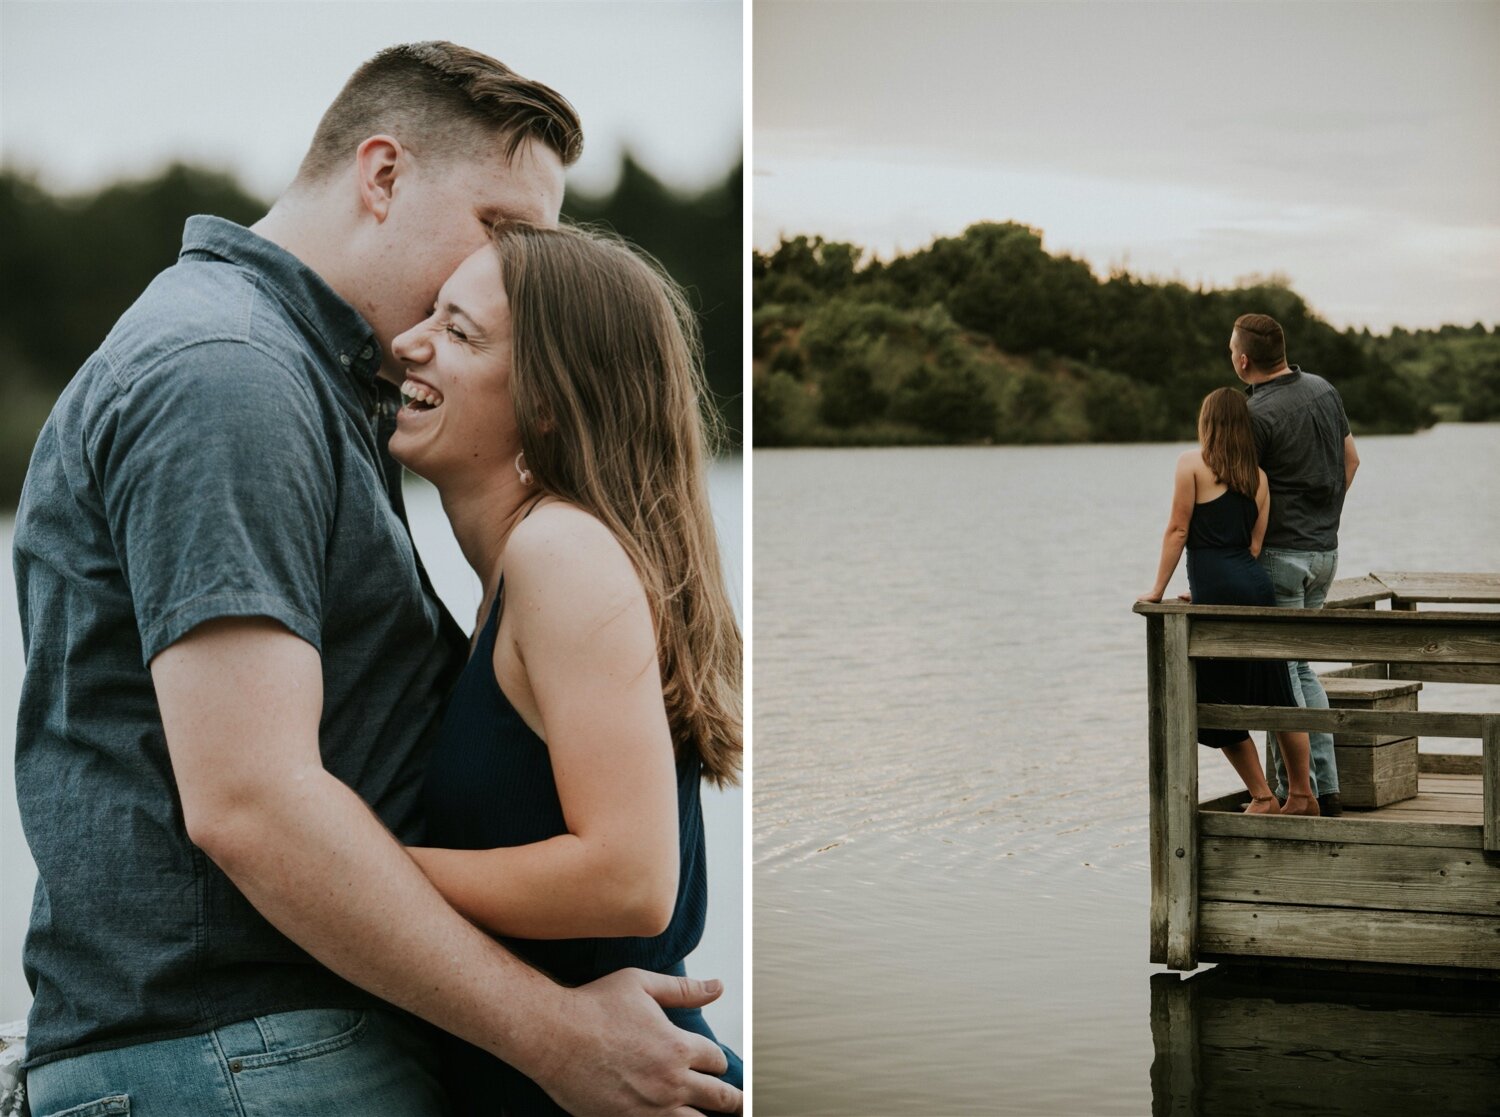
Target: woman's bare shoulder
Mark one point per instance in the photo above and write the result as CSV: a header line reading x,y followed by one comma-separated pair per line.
x,y
561,553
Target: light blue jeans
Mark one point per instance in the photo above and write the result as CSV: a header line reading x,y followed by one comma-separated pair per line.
x,y
308,1063
1301,580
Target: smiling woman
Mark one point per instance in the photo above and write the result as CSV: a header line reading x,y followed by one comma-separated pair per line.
x,y
450,354
603,683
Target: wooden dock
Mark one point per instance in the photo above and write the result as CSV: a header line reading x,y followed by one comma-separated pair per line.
x,y
1413,883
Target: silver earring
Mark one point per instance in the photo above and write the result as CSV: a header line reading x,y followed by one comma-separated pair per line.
x,y
521,470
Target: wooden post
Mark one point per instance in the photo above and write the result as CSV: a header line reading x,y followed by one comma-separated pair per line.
x,y
1491,743
1173,771
1155,783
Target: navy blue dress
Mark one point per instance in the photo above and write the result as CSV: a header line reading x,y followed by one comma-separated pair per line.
x,y
1222,571
489,784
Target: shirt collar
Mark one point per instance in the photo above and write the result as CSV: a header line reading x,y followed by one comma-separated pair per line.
x,y
1293,373
343,329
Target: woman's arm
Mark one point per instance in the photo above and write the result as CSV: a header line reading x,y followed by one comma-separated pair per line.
x,y
1183,493
578,620
1262,513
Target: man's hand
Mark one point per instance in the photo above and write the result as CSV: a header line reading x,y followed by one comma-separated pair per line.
x,y
621,1057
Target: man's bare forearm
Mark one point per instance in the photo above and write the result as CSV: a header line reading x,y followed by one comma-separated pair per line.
x,y
319,865
241,702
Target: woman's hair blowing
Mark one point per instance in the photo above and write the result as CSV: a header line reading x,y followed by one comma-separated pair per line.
x,y
615,418
1228,440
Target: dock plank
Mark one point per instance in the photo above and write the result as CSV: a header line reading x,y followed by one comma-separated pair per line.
x,y
1446,672
1353,593
1415,878
1441,588
1371,828
1399,723
1447,763
1395,937
1349,634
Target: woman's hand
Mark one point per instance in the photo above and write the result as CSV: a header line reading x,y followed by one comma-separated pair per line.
x,y
1185,597
1150,598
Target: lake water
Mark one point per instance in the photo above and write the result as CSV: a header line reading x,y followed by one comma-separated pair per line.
x,y
950,865
722,950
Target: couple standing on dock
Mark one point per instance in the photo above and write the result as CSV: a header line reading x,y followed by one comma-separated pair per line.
x,y
1257,506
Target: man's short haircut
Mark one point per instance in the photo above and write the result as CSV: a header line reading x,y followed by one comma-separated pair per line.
x,y
441,101
1261,340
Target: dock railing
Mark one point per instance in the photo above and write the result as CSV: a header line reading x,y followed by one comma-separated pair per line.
x,y
1403,643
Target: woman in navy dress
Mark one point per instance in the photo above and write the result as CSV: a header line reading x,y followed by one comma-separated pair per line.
x,y
555,399
1220,501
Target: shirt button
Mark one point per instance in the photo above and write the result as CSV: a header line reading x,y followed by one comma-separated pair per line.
x,y
366,353
344,359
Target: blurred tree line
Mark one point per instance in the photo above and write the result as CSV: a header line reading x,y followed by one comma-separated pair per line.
x,y
70,266
1456,368
988,337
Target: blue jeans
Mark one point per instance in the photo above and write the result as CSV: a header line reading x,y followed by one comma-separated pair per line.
x,y
1301,580
308,1063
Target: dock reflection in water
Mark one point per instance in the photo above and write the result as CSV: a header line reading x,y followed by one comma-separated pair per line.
x,y
1253,1040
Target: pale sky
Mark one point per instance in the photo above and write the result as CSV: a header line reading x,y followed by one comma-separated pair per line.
x,y
92,91
1353,147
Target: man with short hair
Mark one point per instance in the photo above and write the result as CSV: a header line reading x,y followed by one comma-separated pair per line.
x,y
236,663
1302,438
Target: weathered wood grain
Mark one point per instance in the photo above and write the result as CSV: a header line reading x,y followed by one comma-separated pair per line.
x,y
1384,827
1354,593
1174,844
1356,671
1456,618
1376,775
1399,723
1445,588
1445,763
1348,875
1292,930
1350,635
1370,690
1156,780
1446,672
1491,777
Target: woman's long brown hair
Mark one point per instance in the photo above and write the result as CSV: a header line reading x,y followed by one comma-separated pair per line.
x,y
615,417
1228,440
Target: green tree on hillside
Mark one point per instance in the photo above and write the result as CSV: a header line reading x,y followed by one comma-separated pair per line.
x,y
1037,347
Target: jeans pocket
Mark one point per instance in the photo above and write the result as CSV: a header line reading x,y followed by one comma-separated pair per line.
x,y
290,1037
117,1105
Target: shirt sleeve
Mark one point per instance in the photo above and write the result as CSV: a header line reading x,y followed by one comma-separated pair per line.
x,y
217,481
1338,403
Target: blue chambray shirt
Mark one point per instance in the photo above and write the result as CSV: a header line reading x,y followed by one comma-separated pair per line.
x,y
1299,425
222,454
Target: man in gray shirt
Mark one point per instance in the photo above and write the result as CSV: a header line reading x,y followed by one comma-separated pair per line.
x,y
1303,441
235,664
